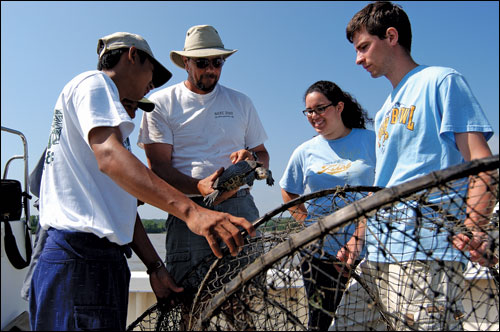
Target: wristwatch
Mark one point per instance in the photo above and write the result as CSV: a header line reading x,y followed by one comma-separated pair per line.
x,y
155,266
254,155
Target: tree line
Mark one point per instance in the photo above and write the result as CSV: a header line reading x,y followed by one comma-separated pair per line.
x,y
150,225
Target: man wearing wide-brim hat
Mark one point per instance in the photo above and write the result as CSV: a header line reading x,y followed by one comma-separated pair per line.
x,y
201,41
198,128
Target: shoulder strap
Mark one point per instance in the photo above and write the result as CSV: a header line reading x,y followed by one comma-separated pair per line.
x,y
11,247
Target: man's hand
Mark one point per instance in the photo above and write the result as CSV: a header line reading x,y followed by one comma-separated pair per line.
x,y
205,187
479,247
161,282
163,285
240,155
213,225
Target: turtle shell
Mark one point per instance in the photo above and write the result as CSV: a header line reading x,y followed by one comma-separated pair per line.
x,y
236,175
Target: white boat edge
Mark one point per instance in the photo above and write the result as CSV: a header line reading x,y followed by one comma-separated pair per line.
x,y
141,296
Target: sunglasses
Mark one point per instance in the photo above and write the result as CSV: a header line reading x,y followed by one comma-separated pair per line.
x,y
203,63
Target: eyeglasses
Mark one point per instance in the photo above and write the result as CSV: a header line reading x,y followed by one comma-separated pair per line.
x,y
319,110
203,63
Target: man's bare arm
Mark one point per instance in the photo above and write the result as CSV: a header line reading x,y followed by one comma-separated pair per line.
x,y
138,180
161,281
480,202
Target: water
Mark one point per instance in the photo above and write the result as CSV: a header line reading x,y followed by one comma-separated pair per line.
x,y
158,241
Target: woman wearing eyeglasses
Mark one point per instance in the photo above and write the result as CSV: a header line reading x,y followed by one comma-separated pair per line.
x,y
343,153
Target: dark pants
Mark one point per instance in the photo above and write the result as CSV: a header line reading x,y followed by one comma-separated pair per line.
x,y
186,250
80,282
324,288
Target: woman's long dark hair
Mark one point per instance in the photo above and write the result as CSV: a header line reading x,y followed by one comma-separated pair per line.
x,y
353,115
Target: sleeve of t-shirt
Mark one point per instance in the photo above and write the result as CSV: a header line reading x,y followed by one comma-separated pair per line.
x,y
292,180
255,132
97,105
461,111
154,125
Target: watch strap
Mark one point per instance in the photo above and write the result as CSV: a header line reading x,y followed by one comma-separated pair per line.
x,y
155,266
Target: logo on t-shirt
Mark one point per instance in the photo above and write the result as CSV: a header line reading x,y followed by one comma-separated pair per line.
x,y
333,169
55,135
126,144
224,114
397,115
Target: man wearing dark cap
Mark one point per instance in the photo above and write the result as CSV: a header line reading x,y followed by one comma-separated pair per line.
x,y
88,197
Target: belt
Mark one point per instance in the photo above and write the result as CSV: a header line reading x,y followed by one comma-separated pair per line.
x,y
241,193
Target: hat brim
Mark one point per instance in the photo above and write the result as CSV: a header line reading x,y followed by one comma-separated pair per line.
x,y
161,75
146,105
176,56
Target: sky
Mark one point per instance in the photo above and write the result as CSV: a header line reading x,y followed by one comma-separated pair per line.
x,y
283,48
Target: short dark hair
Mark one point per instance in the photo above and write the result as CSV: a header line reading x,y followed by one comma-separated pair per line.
x,y
377,17
353,115
111,58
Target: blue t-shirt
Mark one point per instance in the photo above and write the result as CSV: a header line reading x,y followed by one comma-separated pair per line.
x,y
416,129
319,164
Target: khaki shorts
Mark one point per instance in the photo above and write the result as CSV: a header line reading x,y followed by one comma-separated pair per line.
x,y
189,256
416,295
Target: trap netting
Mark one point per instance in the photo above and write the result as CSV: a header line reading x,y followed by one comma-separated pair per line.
x,y
412,277
273,228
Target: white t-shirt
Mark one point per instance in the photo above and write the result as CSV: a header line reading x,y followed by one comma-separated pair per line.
x,y
75,194
203,129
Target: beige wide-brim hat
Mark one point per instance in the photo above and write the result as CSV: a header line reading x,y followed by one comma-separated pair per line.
x,y
201,41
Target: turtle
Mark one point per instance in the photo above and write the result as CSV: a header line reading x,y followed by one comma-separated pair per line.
x,y
233,177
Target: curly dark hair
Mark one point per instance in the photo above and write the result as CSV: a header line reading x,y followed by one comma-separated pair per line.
x,y
377,17
353,115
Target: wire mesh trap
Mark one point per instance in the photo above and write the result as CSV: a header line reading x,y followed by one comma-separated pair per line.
x,y
412,280
273,228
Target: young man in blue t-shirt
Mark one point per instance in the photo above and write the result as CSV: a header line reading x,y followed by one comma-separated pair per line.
x,y
430,121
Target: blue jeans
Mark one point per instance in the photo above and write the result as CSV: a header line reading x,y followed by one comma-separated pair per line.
x,y
80,282
186,250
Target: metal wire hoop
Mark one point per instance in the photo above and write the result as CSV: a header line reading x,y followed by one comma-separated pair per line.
x,y
340,191
364,207
153,318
